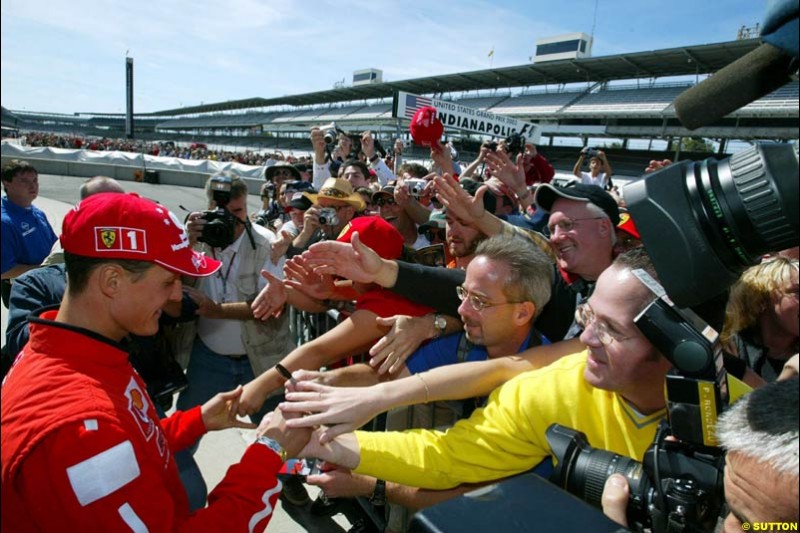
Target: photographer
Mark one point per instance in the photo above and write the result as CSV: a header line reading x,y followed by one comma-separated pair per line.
x,y
759,434
348,158
599,168
332,209
228,348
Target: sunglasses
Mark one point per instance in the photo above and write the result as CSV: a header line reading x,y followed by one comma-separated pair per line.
x,y
433,234
380,202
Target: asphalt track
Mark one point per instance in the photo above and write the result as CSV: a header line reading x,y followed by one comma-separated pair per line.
x,y
220,449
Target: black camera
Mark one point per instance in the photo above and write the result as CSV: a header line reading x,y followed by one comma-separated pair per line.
x,y
591,152
515,144
703,223
676,488
491,145
328,216
220,226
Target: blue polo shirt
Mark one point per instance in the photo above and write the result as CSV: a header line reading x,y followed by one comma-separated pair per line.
x,y
444,351
27,236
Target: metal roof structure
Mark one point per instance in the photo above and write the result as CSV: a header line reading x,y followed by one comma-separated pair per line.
x,y
685,60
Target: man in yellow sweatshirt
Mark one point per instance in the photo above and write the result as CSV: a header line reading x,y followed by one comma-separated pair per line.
x,y
613,391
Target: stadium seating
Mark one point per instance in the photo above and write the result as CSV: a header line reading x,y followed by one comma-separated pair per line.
x,y
780,102
535,104
625,101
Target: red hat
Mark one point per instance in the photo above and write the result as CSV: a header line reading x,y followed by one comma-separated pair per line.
x,y
376,233
126,226
626,224
426,128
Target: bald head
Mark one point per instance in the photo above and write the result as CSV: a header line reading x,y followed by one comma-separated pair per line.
x,y
100,184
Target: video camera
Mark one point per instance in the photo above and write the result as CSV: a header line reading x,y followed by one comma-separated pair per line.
x,y
220,226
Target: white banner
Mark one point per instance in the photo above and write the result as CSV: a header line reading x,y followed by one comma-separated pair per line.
x,y
129,159
456,116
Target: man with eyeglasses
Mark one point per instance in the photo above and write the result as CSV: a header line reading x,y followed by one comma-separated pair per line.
x,y
613,391
506,286
582,231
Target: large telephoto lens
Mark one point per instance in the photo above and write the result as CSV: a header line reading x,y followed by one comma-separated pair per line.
x,y
583,471
703,223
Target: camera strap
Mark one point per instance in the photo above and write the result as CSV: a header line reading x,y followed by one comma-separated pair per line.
x,y
224,277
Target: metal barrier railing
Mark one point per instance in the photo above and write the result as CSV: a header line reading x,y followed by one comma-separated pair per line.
x,y
306,326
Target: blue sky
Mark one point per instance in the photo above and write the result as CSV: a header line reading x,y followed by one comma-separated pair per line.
x,y
66,57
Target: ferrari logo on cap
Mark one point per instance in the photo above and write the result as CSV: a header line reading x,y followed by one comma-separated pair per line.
x,y
344,230
109,237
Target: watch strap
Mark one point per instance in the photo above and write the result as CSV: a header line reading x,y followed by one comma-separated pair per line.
x,y
273,445
378,497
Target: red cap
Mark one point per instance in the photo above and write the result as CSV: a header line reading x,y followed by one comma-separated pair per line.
x,y
376,233
126,226
426,128
626,224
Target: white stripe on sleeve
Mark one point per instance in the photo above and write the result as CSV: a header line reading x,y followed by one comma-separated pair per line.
x,y
132,519
267,510
104,473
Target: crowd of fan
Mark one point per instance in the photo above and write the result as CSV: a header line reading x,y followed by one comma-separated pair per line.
x,y
451,266
160,148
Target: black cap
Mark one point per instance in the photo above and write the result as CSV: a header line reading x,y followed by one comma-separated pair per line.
x,y
299,201
546,194
472,186
386,190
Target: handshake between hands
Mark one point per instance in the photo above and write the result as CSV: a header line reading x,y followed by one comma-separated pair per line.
x,y
297,424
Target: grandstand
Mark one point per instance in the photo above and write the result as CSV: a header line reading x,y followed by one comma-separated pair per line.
x,y
625,96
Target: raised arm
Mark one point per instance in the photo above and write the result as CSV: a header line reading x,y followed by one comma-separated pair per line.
x,y
345,409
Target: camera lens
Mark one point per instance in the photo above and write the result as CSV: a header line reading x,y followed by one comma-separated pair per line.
x,y
703,223
583,471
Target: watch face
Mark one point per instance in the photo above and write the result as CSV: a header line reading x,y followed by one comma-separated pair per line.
x,y
440,322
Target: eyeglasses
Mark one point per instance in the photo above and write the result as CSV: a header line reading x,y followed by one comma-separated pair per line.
x,y
568,224
584,316
282,172
380,202
433,234
476,303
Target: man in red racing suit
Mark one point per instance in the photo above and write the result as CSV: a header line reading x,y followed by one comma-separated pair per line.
x,y
82,446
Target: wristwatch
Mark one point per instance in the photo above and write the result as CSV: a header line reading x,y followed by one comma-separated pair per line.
x,y
378,497
440,323
274,446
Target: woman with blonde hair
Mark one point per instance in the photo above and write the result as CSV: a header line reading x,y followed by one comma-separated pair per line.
x,y
761,320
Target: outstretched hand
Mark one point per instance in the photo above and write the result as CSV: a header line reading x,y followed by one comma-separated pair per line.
x,y
342,409
510,173
392,350
220,411
355,261
458,202
269,302
300,276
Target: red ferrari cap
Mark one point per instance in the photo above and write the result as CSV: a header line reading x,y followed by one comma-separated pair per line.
x,y
127,226
376,233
